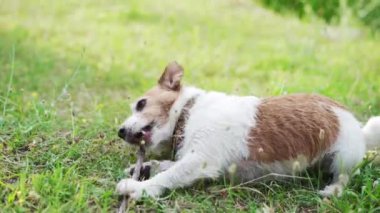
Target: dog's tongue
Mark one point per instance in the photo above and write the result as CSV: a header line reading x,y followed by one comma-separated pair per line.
x,y
147,136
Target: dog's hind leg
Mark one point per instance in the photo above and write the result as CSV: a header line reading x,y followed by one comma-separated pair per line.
x,y
348,150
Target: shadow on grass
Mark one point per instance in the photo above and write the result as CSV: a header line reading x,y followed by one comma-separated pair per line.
x,y
36,68
50,158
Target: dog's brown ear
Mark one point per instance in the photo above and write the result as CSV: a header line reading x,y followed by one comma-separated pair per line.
x,y
171,78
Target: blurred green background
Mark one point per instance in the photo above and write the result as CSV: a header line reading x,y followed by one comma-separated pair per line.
x,y
366,12
70,69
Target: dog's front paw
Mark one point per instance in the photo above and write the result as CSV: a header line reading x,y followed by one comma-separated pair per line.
x,y
130,187
135,189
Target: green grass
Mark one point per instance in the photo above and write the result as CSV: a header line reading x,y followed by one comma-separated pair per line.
x,y
69,69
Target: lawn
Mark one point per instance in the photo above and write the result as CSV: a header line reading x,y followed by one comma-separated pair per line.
x,y
70,69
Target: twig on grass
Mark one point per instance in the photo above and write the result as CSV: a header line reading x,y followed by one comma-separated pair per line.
x,y
260,178
10,80
135,176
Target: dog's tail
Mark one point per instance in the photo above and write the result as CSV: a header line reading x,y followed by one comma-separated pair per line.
x,y
371,133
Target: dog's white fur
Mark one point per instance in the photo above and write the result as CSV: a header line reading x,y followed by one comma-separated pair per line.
x,y
216,138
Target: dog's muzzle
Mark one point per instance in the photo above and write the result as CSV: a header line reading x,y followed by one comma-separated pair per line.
x,y
135,137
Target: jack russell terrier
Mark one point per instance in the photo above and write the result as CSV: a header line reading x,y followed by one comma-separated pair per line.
x,y
209,132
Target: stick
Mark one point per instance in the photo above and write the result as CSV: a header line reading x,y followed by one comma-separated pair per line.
x,y
135,176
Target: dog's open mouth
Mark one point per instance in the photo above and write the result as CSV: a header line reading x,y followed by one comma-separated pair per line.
x,y
146,132
147,137
135,138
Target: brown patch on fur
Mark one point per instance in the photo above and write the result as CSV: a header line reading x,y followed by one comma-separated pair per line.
x,y
159,103
171,77
293,125
161,98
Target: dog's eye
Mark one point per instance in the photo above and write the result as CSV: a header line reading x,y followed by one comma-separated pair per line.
x,y
140,104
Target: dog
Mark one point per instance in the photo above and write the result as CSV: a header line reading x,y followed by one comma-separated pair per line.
x,y
211,132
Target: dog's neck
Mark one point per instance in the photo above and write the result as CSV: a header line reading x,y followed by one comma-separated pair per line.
x,y
180,113
179,129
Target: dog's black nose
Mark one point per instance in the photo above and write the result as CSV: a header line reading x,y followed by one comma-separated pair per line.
x,y
122,133
129,136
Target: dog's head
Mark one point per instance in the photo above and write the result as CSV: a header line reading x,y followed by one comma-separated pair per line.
x,y
150,113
